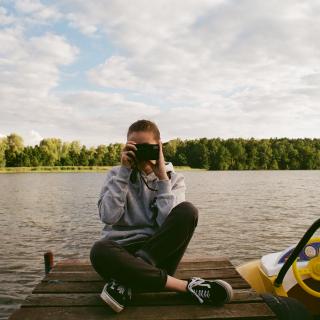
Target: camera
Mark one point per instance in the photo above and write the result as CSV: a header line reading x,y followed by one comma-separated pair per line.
x,y
147,151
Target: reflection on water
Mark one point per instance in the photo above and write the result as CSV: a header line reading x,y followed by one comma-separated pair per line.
x,y
243,215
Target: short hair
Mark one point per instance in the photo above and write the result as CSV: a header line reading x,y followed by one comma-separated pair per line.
x,y
144,125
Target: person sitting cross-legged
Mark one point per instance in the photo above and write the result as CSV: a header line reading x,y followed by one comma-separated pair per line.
x,y
148,226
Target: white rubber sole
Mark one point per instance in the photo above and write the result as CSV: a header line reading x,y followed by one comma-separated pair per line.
x,y
116,306
228,288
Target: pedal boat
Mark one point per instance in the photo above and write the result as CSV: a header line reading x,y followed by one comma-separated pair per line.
x,y
293,272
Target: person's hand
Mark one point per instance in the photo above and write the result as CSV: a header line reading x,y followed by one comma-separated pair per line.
x,y
159,168
128,156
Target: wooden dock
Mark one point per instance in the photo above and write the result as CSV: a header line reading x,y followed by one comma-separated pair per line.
x,y
71,290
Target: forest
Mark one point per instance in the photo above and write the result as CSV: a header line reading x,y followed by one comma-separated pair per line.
x,y
210,154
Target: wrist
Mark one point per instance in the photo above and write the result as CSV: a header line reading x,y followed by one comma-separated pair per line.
x,y
124,172
163,176
163,186
126,165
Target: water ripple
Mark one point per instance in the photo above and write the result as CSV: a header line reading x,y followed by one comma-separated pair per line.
x,y
243,215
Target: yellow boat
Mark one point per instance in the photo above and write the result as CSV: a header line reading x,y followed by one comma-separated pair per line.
x,y
292,275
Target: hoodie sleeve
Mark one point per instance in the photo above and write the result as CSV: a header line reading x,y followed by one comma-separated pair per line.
x,y
113,195
170,193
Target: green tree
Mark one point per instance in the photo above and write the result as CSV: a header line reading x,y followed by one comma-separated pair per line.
x,y
223,158
237,154
213,154
198,154
170,149
64,155
92,156
101,155
264,155
252,158
74,152
14,150
114,154
213,149
3,147
83,157
50,149
180,158
307,156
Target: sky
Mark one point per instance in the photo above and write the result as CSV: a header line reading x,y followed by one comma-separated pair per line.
x,y
86,70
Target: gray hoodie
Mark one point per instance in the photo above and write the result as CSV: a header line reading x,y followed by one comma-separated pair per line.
x,y
130,210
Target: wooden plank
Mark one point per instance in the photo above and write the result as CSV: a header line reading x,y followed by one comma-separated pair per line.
x,y
72,268
72,291
229,272
188,312
96,286
139,299
185,259
183,265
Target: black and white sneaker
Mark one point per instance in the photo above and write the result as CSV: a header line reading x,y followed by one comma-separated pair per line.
x,y
116,295
214,292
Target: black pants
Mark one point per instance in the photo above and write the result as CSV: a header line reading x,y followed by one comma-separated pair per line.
x,y
160,253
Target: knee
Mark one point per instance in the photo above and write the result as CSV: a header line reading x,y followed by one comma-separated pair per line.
x,y
186,211
101,248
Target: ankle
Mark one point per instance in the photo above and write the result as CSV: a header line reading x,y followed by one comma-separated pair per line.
x,y
176,284
185,286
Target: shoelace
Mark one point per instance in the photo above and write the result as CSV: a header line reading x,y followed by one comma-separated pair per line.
x,y
120,288
199,292
203,293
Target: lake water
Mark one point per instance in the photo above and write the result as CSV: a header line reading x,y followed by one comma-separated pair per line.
x,y
243,214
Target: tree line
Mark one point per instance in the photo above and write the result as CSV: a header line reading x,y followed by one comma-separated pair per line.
x,y
211,154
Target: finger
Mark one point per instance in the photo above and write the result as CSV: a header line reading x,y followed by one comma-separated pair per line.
x,y
130,154
130,141
160,150
130,147
132,161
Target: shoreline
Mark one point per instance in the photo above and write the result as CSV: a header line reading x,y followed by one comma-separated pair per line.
x,y
69,169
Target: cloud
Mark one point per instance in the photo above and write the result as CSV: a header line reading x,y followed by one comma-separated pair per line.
x,y
33,63
35,12
78,21
29,72
5,18
105,116
253,57
198,68
114,73
34,137
205,48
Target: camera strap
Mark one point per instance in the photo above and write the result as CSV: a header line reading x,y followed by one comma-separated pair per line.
x,y
136,171
145,182
141,177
